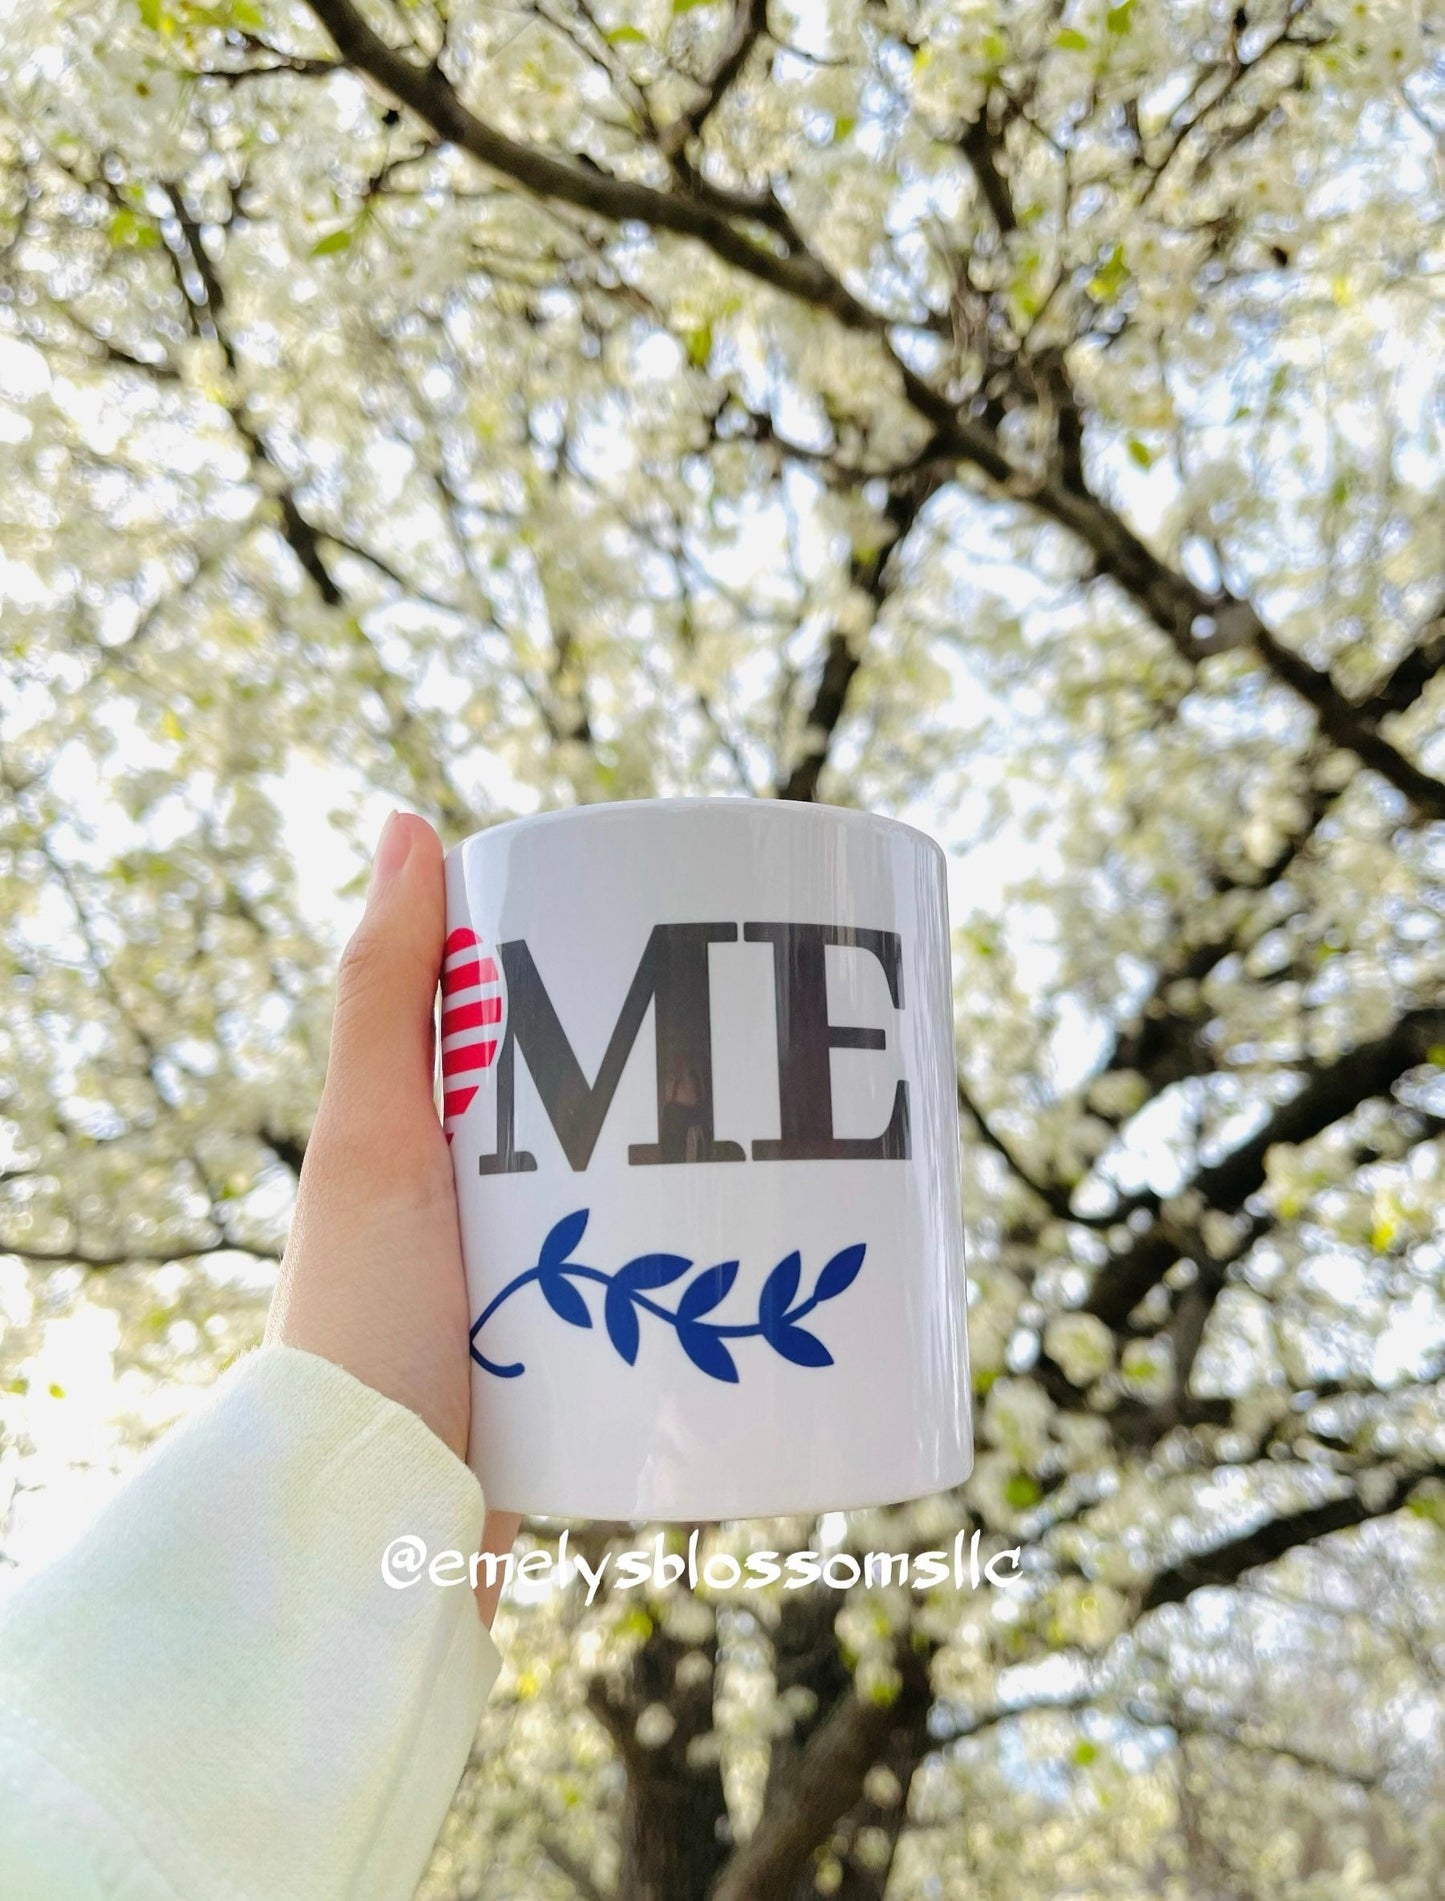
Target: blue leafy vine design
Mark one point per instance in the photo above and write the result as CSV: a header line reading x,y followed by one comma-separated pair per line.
x,y
627,1298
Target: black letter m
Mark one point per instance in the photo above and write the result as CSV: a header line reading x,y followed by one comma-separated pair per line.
x,y
673,978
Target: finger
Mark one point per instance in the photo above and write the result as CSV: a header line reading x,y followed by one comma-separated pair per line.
x,y
381,1037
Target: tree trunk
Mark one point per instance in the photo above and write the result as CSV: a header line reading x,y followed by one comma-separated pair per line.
x,y
673,1826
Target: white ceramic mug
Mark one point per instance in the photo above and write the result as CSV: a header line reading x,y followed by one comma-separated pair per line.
x,y
698,1072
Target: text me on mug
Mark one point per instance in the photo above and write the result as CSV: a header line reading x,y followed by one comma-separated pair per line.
x,y
698,1078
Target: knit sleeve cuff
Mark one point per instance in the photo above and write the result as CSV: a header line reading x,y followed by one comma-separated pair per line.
x,y
223,1662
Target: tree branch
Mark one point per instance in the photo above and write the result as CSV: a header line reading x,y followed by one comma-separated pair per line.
x,y
410,741
749,24
1055,1196
1186,1726
427,91
1227,1563
1195,621
827,1783
981,148
1412,673
1329,1094
289,1150
1160,1043
1347,725
840,666
130,1257
870,573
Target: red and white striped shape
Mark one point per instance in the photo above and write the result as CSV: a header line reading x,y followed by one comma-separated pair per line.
x,y
471,1029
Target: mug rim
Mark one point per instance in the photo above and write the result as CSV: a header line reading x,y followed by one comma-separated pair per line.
x,y
848,814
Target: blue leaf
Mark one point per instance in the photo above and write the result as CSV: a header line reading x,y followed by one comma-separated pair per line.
x,y
703,1347
620,1317
840,1273
801,1347
709,1290
618,1312
563,1238
651,1270
777,1295
564,1299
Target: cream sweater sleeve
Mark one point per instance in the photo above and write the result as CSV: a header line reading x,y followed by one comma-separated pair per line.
x,y
214,1695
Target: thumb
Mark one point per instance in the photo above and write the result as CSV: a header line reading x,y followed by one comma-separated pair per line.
x,y
382,1033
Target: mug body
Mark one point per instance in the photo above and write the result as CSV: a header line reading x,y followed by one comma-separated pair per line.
x,y
699,1085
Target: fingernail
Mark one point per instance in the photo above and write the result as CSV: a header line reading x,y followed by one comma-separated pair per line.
x,y
391,854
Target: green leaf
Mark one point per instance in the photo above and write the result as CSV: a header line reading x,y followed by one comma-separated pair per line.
x,y
994,47
335,241
1110,278
127,230
626,36
1071,40
1428,1502
1117,19
699,346
1085,1752
1140,454
686,6
842,127
1022,1491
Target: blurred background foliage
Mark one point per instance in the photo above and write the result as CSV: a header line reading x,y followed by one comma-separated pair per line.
x,y
1021,416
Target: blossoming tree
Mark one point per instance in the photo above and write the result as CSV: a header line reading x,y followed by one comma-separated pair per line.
x,y
1016,414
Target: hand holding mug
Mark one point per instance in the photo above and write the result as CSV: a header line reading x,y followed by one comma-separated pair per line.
x,y
372,1276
